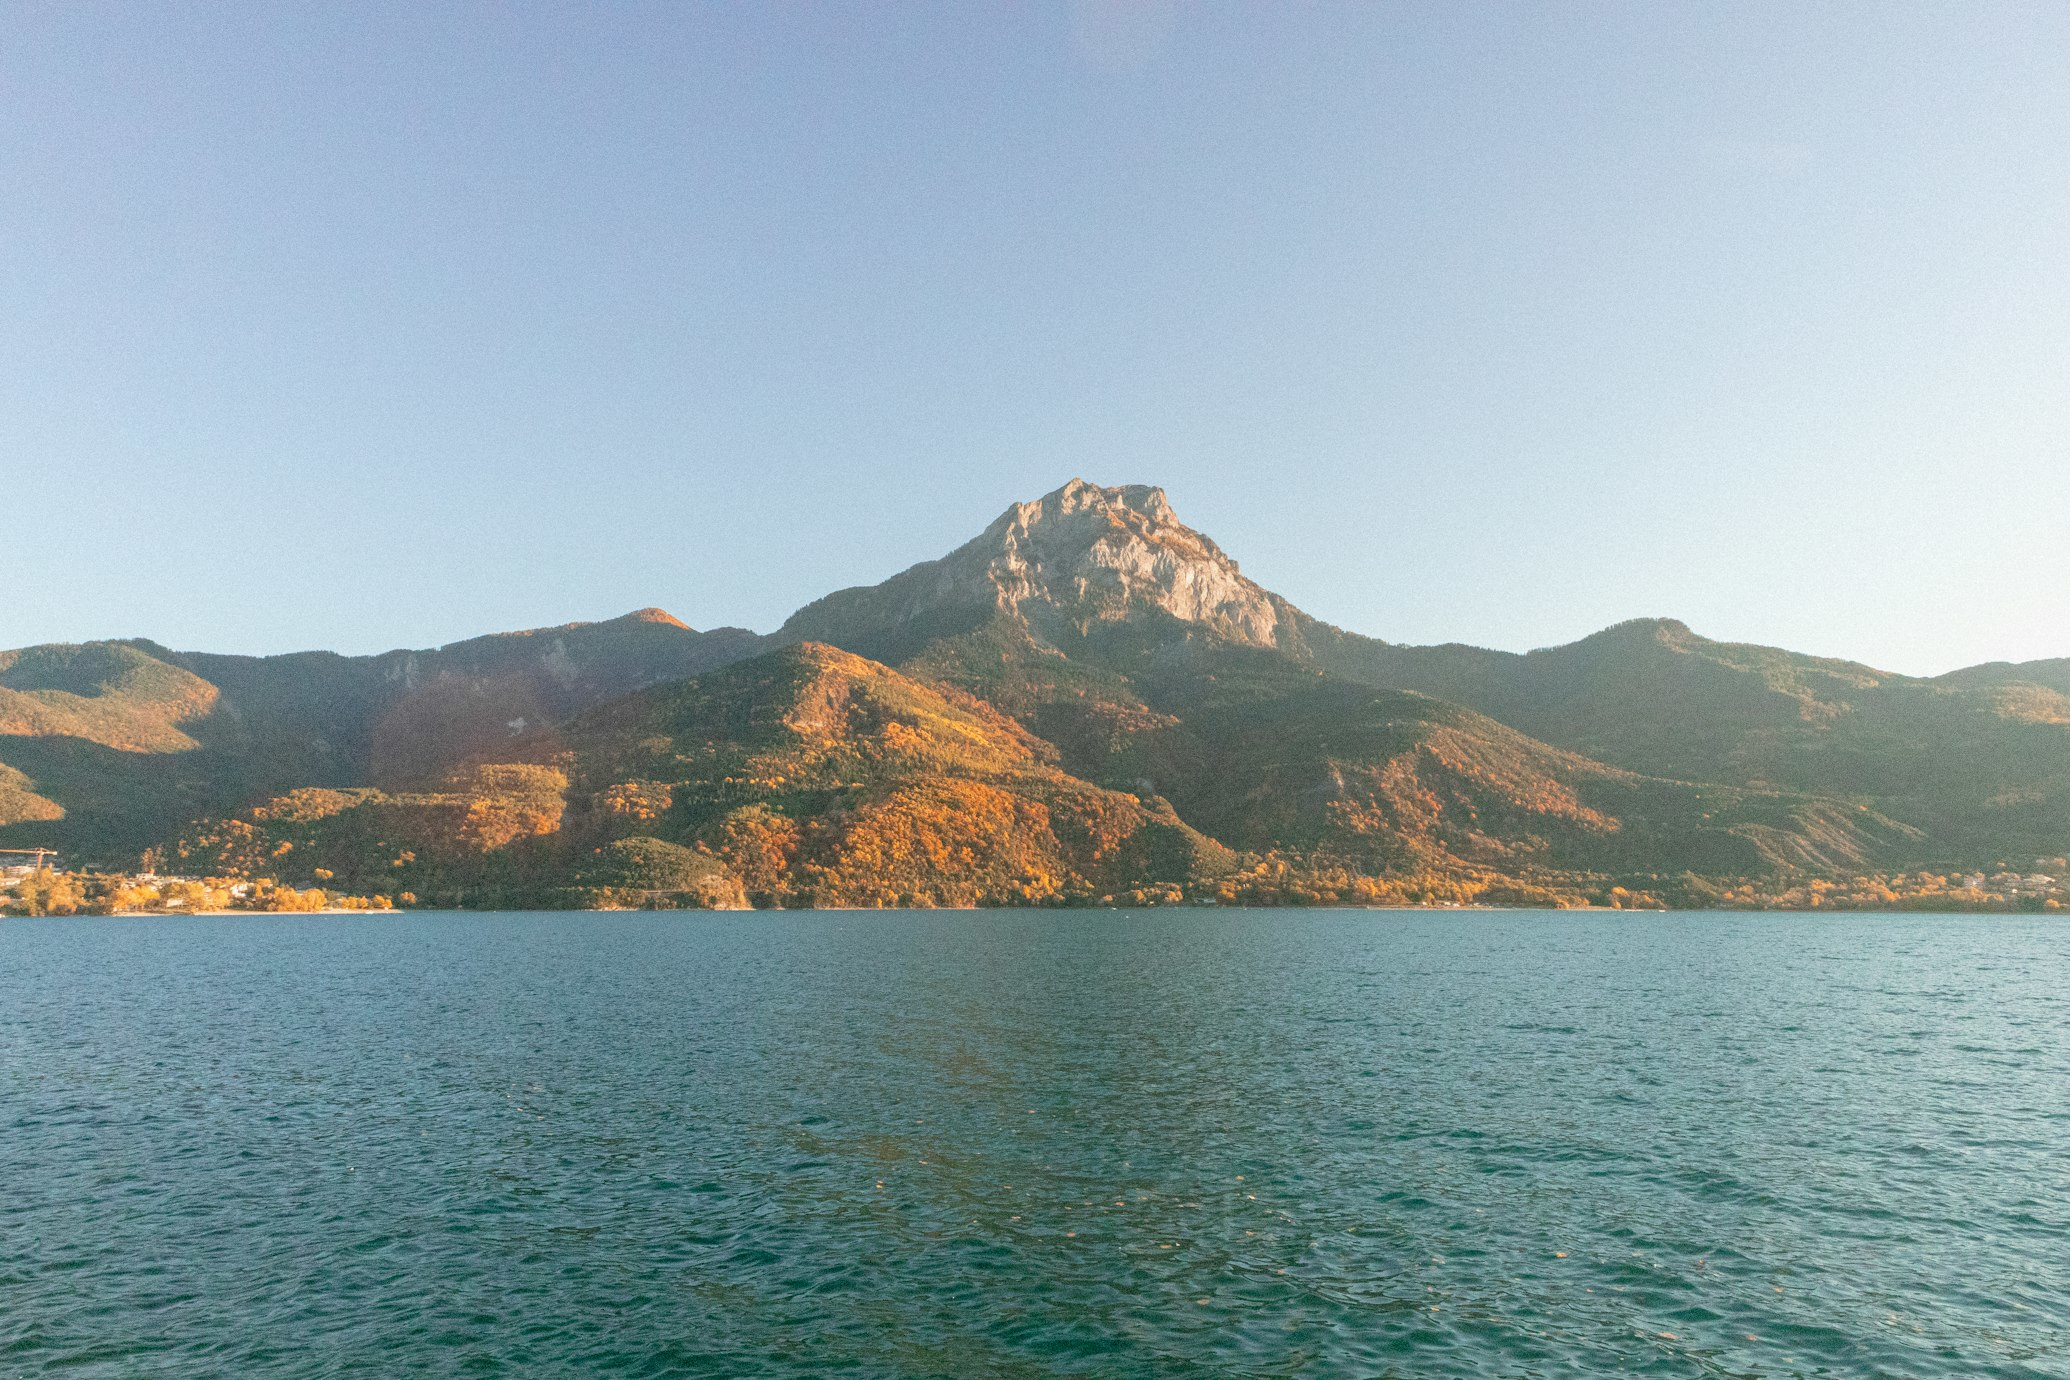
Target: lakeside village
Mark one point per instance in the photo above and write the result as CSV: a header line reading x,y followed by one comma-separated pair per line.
x,y
43,887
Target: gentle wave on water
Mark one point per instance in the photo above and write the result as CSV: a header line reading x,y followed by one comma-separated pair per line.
x,y
1198,1143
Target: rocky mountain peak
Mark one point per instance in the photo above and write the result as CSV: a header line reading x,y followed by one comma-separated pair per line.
x,y
1079,556
1085,551
1141,502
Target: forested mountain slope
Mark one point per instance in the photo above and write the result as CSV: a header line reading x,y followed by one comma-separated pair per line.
x,y
1059,595
804,776
1092,692
110,747
1980,764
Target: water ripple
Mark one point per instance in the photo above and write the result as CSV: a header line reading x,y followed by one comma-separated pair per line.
x,y
955,1145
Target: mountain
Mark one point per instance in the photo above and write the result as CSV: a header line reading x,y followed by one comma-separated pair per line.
x,y
1065,567
1979,764
819,775
108,747
1064,609
402,716
1139,648
803,776
1088,699
1372,779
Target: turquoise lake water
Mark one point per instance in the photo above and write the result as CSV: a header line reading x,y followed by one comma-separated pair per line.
x,y
1178,1143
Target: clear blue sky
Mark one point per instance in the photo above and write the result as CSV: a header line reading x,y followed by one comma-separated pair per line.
x,y
359,326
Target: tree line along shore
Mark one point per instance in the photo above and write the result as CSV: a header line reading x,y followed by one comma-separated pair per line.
x,y
51,892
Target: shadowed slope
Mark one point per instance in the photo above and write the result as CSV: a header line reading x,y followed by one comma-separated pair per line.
x,y
114,746
1981,765
98,739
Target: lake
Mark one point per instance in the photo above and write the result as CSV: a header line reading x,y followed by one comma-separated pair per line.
x,y
1109,1143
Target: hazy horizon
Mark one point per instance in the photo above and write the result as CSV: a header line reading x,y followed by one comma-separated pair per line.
x,y
384,327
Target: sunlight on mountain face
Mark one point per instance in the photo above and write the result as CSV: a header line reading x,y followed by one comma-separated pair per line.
x,y
1086,702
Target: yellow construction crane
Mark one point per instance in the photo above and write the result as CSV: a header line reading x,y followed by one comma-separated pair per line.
x,y
38,853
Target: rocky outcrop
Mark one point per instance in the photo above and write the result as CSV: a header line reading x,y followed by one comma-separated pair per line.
x,y
1080,556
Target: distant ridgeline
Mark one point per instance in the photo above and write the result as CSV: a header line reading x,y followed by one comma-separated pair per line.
x,y
1088,703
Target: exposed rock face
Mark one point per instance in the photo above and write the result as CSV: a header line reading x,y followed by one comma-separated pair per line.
x,y
1085,653
1080,555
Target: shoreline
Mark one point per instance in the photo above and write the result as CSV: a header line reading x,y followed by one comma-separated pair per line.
x,y
367,912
